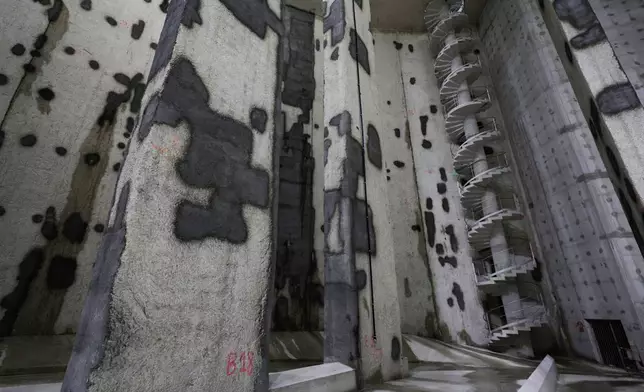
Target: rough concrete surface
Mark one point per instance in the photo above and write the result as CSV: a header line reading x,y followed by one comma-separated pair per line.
x,y
187,314
415,293
445,229
579,220
65,65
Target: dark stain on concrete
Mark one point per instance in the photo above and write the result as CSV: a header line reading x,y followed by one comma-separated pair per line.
x,y
588,38
395,348
451,260
61,272
364,235
191,13
137,29
12,302
218,156
74,228
343,122
335,21
445,204
441,188
361,279
440,249
93,331
407,289
327,145
430,228
49,228
443,174
453,241
258,119
298,66
580,15
458,294
398,45
256,15
358,51
423,124
374,151
617,98
335,55
399,164
429,204
450,302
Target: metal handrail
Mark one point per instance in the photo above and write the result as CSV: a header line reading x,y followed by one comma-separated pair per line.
x,y
466,63
483,268
533,303
477,212
477,94
487,124
543,317
453,8
493,161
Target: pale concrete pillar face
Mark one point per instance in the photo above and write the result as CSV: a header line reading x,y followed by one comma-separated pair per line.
x,y
71,83
181,289
358,241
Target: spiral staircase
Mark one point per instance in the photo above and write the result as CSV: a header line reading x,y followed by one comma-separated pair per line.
x,y
488,195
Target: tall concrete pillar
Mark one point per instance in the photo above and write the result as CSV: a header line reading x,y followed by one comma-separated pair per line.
x,y
71,82
362,319
180,295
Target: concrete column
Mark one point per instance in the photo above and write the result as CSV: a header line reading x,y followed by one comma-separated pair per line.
x,y
460,316
386,357
358,243
182,282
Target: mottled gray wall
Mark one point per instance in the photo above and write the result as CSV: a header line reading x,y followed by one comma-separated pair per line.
x,y
299,292
72,75
581,226
180,298
623,24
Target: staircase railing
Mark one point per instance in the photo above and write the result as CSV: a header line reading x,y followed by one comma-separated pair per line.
x,y
495,161
531,311
485,269
477,94
446,74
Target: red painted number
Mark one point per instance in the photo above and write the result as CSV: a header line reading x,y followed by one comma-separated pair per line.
x,y
230,364
246,359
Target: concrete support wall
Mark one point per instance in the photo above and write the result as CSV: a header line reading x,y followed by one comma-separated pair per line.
x,y
456,297
415,292
72,75
584,234
299,293
360,291
623,24
180,294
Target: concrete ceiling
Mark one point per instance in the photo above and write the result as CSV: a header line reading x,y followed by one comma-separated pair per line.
x,y
407,15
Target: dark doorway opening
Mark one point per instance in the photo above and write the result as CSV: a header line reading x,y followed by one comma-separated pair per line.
x,y
613,343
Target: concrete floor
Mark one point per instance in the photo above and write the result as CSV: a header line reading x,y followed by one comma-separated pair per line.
x,y
450,377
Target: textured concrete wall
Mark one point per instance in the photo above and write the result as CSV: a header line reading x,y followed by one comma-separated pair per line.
x,y
456,296
623,24
299,294
72,76
180,294
360,285
584,234
415,294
